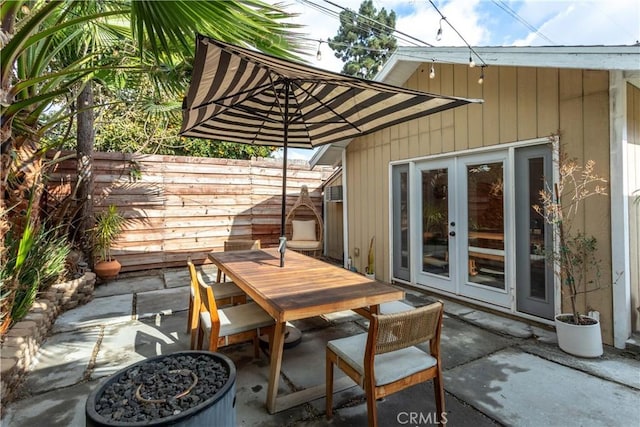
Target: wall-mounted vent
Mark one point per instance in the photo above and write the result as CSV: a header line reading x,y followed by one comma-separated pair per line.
x,y
333,194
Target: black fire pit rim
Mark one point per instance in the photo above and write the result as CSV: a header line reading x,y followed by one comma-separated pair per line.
x,y
91,412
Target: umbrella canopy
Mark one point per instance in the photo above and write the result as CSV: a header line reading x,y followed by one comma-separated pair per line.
x,y
240,95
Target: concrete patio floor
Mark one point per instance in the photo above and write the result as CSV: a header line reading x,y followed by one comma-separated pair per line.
x,y
497,371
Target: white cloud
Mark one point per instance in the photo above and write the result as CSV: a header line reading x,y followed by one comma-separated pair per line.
x,y
483,23
612,22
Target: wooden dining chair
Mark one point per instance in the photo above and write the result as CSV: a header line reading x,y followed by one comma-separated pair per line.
x,y
386,360
385,308
230,325
238,245
226,293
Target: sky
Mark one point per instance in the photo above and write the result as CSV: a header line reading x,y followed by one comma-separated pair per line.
x,y
480,22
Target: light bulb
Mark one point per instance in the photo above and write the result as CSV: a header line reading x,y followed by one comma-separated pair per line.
x,y
471,62
319,55
481,79
432,72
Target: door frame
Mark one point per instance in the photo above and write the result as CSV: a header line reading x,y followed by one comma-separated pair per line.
x,y
452,209
414,243
500,297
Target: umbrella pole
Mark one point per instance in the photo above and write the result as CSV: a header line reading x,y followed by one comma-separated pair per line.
x,y
283,239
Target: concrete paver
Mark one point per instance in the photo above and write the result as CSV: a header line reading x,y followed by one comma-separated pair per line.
x,y
609,366
150,282
59,407
63,359
517,388
497,371
165,301
101,311
127,343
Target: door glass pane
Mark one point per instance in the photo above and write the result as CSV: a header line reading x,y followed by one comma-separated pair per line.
x,y
485,203
435,216
404,219
536,231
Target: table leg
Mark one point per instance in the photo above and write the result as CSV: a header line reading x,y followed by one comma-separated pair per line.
x,y
276,361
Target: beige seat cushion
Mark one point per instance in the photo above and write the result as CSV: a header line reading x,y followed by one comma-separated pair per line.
x,y
304,230
226,290
239,318
388,367
303,244
395,307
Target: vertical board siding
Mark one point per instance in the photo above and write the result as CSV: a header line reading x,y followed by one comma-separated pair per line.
x,y
520,103
633,138
334,223
188,206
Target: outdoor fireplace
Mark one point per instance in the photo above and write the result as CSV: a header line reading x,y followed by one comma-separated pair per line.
x,y
189,388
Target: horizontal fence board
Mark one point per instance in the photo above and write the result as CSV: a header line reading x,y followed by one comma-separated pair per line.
x,y
179,207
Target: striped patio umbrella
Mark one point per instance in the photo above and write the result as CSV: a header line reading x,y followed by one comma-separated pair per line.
x,y
240,95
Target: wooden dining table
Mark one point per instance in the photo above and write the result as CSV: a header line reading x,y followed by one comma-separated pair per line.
x,y
305,287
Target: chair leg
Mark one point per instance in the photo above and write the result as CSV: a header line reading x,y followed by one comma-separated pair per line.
x,y
194,332
438,391
256,346
270,332
372,412
200,339
329,383
189,313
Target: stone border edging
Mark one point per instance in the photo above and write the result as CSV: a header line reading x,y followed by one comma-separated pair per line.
x,y
23,340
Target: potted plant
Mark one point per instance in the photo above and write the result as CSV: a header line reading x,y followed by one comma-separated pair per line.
x,y
370,270
575,253
108,227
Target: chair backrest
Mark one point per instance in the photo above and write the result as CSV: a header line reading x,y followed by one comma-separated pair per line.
x,y
206,295
208,303
241,245
195,293
390,332
304,209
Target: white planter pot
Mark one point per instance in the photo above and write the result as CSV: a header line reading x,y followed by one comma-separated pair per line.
x,y
371,276
579,340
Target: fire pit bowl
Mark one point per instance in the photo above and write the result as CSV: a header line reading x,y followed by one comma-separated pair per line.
x,y
188,388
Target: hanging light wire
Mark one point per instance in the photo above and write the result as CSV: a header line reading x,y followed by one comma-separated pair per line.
x,y
471,50
506,8
332,13
402,36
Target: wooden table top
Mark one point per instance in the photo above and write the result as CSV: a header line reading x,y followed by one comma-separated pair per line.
x,y
304,287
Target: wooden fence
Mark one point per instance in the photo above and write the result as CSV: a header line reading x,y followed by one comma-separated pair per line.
x,y
188,206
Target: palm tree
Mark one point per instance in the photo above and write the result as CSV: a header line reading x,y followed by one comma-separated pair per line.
x,y
52,52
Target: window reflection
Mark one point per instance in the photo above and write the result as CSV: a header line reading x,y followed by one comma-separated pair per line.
x,y
435,215
485,206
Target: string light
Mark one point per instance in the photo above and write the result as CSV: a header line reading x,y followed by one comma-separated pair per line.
x,y
481,79
432,72
472,63
439,33
319,53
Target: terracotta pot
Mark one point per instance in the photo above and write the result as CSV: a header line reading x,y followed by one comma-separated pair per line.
x,y
579,340
107,270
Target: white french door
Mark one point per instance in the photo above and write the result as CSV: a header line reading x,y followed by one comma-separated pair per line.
x,y
436,237
483,245
468,227
462,246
